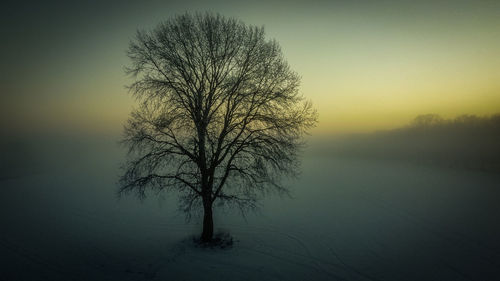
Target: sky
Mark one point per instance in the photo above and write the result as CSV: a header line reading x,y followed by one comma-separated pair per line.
x,y
365,65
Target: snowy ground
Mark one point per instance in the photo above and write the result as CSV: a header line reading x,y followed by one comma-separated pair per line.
x,y
350,219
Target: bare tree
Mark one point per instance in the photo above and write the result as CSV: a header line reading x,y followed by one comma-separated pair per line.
x,y
220,117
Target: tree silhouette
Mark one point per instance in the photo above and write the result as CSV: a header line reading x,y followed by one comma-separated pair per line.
x,y
220,116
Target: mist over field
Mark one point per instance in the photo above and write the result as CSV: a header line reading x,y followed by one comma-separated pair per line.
x,y
361,210
466,142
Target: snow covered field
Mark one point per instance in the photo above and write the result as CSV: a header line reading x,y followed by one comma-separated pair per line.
x,y
349,219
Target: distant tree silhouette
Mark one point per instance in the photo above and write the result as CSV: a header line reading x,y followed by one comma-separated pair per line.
x,y
465,142
427,120
220,117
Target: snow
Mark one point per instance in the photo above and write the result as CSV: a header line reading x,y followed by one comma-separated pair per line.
x,y
349,219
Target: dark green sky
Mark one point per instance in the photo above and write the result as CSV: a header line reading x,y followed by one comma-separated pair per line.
x,y
365,64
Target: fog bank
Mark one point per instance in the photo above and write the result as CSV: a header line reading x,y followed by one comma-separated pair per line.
x,y
465,142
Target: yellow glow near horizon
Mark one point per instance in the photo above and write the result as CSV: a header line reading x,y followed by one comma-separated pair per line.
x,y
365,67
389,80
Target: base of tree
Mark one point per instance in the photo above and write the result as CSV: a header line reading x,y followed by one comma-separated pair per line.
x,y
221,240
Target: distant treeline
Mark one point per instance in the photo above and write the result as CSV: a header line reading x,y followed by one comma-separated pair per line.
x,y
468,141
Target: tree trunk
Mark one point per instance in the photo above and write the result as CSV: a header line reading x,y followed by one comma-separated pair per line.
x,y
208,223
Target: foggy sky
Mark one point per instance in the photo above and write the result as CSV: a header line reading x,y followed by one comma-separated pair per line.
x,y
366,65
